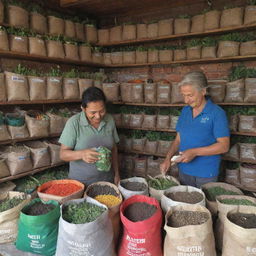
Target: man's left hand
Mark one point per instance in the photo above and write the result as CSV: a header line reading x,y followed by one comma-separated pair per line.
x,y
187,155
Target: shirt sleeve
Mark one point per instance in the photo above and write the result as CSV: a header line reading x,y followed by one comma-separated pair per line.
x,y
69,134
220,125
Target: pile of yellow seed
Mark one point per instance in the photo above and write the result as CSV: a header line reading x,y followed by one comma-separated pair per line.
x,y
108,200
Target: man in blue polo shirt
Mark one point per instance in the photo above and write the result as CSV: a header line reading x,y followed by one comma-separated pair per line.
x,y
202,134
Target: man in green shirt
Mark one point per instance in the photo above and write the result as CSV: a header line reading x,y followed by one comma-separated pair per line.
x,y
84,132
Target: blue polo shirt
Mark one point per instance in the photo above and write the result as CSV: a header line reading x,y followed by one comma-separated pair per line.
x,y
202,131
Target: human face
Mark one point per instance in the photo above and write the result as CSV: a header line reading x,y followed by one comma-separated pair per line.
x,y
192,96
95,112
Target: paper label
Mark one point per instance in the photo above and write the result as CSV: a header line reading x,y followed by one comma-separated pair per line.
x,y
18,38
18,79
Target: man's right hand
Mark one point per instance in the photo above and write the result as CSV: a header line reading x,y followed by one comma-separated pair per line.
x,y
89,156
165,165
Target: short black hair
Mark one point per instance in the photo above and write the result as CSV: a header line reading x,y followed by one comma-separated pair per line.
x,y
92,94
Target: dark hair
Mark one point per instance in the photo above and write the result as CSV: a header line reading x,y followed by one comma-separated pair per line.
x,y
92,94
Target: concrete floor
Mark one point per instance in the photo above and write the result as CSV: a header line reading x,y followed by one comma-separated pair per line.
x,y
10,250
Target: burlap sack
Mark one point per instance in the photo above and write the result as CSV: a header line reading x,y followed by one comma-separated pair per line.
x,y
176,96
80,31
150,147
85,53
248,171
237,240
127,144
152,30
247,152
56,123
216,89
97,57
198,239
250,90
129,32
83,84
4,134
163,122
165,27
3,96
141,57
197,24
126,92
37,46
107,58
173,122
9,219
69,29
208,52
111,91
103,36
153,166
137,93
179,54
17,86
153,56
38,23
127,164
248,183
70,88
212,205
232,176
140,167
235,91
233,153
7,186
165,55
141,31
18,159
149,121
36,128
117,58
37,88
1,12
17,17
181,26
71,51
54,149
126,120
194,53
212,20
39,153
150,91
54,88
248,48
18,43
138,144
56,26
136,120
163,147
232,17
91,34
4,43
18,132
118,119
129,57
164,91
228,49
4,171
247,123
55,49
115,34
249,15
233,123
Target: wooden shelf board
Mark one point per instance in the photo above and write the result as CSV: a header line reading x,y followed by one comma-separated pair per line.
x,y
27,102
240,161
31,172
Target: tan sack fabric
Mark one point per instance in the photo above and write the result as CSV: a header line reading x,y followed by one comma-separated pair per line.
x,y
17,16
37,46
55,25
18,43
37,88
38,23
54,88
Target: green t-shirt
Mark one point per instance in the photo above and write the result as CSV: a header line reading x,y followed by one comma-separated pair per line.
x,y
78,134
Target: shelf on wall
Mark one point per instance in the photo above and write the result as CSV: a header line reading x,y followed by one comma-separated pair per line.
x,y
238,160
27,102
31,172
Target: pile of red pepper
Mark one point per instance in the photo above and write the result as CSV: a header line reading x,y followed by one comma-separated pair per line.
x,y
62,189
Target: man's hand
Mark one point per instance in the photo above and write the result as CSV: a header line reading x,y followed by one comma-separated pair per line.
x,y
89,156
165,165
187,156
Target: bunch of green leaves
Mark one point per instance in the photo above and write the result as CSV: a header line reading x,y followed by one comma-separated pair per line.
x,y
208,42
33,7
65,112
55,72
232,165
152,48
235,201
128,48
229,6
58,38
18,31
251,73
153,136
180,47
68,40
193,43
2,28
149,110
15,3
141,48
8,203
81,213
175,111
87,44
184,16
249,36
125,110
104,159
161,183
213,192
166,136
55,14
73,73
22,70
137,134
251,2
237,72
237,37
136,110
129,23
97,49
26,185
99,76
164,111
85,75
61,172
90,23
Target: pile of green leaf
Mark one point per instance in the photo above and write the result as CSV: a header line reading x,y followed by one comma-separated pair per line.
x,y
212,193
161,183
104,160
81,213
8,203
234,201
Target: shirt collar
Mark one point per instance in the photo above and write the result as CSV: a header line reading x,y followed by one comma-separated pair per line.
x,y
208,106
84,121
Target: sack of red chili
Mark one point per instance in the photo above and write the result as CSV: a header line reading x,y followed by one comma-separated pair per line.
x,y
61,190
142,219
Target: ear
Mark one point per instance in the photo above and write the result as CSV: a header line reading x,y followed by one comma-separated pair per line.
x,y
83,109
204,91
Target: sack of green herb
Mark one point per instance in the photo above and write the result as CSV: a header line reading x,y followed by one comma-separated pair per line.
x,y
127,144
17,86
165,27
225,204
247,123
7,186
248,175
17,16
163,147
197,24
153,55
125,90
232,176
249,15
97,57
129,32
11,204
18,132
85,228
37,46
150,92
111,91
165,55
179,54
83,84
140,167
239,232
18,43
141,56
235,91
54,148
37,88
212,20
176,96
129,57
247,151
103,36
71,51
138,144
55,25
107,58
217,90
182,195
4,43
250,93
150,147
181,26
4,171
248,48
152,30
173,121
91,33
136,120
228,49
233,153
189,231
39,153
214,189
233,123
85,53
208,52
117,58
158,184
80,32
69,29
56,122
141,31
38,227
126,120
104,160
163,122
232,17
54,88
194,52
55,49
38,23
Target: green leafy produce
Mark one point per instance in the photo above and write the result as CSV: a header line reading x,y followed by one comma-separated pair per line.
x,y
251,2
153,136
8,203
141,49
1,118
208,42
193,43
175,111
104,161
137,134
18,31
86,75
55,72
237,37
166,136
184,16
237,202
161,183
82,212
26,185
212,193
237,72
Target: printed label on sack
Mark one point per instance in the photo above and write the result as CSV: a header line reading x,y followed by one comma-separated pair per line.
x,y
43,151
149,87
228,44
54,80
40,41
251,250
138,86
37,80
35,242
22,157
109,85
70,81
18,79
251,8
18,135
19,38
133,250
164,87
140,165
190,251
76,248
163,95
